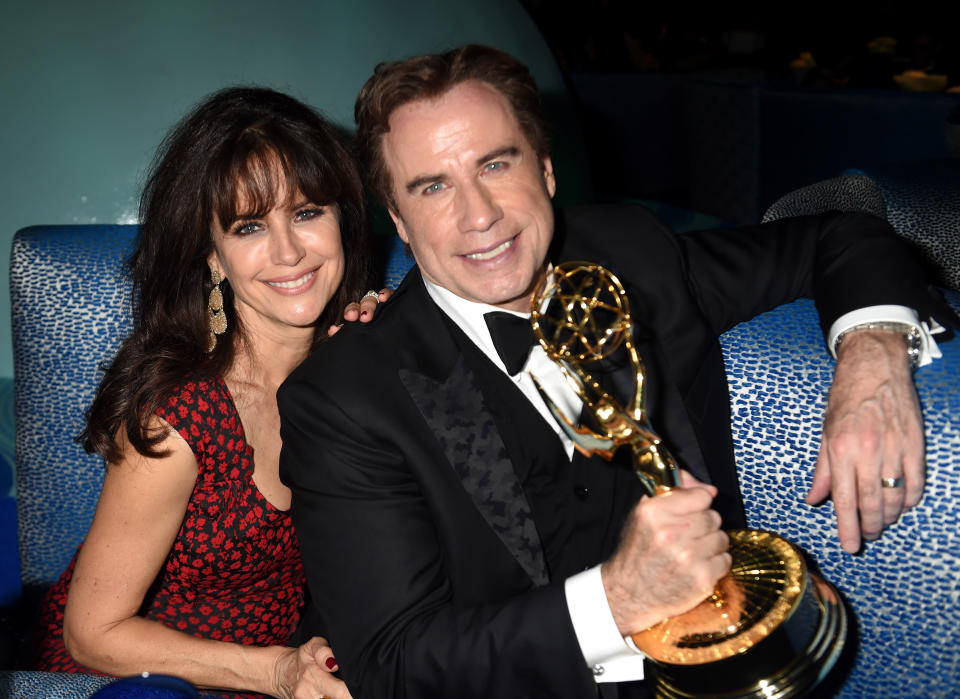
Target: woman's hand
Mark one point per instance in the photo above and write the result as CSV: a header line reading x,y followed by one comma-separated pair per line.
x,y
307,673
361,310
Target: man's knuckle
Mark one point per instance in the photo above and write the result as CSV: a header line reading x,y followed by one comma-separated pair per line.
x,y
663,538
704,578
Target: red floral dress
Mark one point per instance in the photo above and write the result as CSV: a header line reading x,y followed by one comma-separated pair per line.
x,y
234,573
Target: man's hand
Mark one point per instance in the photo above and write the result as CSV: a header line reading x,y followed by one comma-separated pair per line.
x,y
670,558
873,430
361,310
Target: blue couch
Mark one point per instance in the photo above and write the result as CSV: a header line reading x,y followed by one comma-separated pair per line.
x,y
70,310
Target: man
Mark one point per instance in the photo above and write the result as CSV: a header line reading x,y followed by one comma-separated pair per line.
x,y
454,544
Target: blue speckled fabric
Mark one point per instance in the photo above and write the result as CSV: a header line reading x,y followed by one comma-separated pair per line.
x,y
69,310
50,685
904,588
399,263
59,685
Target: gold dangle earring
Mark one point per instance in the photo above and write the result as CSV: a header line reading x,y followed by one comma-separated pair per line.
x,y
216,317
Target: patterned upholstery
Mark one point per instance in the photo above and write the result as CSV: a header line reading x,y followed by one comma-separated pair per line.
x,y
33,685
62,685
69,309
848,192
398,264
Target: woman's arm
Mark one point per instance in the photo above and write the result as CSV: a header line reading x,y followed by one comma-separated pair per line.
x,y
139,514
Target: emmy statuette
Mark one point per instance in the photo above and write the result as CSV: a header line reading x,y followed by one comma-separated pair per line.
x,y
771,628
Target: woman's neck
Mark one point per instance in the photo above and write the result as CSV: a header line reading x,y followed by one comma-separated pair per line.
x,y
268,361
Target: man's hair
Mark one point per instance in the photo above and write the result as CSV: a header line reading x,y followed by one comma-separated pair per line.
x,y
395,84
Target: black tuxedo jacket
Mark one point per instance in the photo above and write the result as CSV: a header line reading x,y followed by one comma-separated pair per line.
x,y
434,563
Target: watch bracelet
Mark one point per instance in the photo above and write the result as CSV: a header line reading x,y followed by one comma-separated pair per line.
x,y
910,333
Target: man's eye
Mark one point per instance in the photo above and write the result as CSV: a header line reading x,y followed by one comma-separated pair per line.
x,y
493,167
433,188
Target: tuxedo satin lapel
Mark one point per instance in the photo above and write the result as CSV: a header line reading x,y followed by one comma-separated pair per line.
x,y
425,343
454,410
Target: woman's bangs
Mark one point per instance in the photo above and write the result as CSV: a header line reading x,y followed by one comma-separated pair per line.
x,y
311,174
258,181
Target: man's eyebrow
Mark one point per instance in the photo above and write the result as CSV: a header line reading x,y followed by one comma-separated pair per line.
x,y
418,182
423,180
511,151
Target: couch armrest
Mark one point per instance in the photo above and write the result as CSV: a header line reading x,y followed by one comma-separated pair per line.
x,y
902,588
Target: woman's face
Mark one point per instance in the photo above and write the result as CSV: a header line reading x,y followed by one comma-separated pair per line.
x,y
284,267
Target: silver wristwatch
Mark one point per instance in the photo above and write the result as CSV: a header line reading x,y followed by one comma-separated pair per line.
x,y
911,333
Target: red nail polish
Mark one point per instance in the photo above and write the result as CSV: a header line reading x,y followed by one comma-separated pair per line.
x,y
331,663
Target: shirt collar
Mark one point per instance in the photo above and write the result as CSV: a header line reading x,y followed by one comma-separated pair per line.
x,y
468,315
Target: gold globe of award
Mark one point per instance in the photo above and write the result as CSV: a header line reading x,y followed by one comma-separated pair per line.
x,y
771,628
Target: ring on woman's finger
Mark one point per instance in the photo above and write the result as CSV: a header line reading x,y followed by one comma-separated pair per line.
x,y
374,294
892,482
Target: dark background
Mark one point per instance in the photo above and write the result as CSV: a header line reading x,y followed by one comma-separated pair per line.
x,y
714,107
623,35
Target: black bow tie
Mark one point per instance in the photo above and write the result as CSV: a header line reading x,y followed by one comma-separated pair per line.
x,y
512,336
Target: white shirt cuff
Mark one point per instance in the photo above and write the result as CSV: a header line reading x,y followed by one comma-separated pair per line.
x,y
890,314
608,654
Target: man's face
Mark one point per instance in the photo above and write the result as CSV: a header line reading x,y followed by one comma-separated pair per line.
x,y
472,197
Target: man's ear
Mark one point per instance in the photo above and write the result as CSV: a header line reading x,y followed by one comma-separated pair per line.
x,y
549,181
401,228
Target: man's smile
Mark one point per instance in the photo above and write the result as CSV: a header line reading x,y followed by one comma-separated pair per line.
x,y
493,252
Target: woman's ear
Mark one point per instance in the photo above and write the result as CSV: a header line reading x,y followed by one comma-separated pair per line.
x,y
213,262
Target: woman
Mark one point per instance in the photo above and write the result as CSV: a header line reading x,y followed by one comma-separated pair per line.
x,y
252,239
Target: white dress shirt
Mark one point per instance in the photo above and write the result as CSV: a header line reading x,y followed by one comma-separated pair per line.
x,y
889,314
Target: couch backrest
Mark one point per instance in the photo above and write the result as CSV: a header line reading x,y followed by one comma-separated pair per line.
x,y
69,311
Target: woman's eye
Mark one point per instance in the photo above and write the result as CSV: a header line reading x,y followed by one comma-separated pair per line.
x,y
308,214
246,228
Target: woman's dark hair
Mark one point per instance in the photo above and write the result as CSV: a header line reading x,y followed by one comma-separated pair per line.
x,y
242,146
